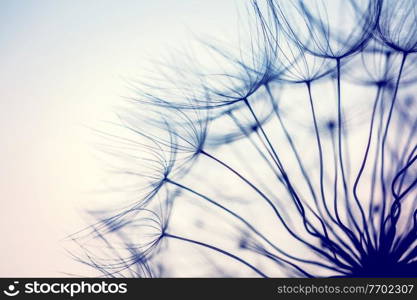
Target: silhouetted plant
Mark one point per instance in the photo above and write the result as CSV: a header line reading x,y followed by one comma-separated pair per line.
x,y
294,155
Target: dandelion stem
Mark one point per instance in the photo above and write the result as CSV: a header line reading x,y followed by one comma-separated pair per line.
x,y
384,139
340,130
250,184
362,167
227,210
237,258
340,148
246,133
319,147
293,193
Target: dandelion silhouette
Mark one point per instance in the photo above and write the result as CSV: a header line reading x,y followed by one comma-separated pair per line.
x,y
293,155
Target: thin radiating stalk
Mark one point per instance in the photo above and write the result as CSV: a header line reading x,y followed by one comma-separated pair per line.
x,y
216,249
384,139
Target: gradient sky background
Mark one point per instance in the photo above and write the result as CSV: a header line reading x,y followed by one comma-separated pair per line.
x,y
62,70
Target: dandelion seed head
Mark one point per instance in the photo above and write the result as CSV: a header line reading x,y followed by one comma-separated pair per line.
x,y
294,154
